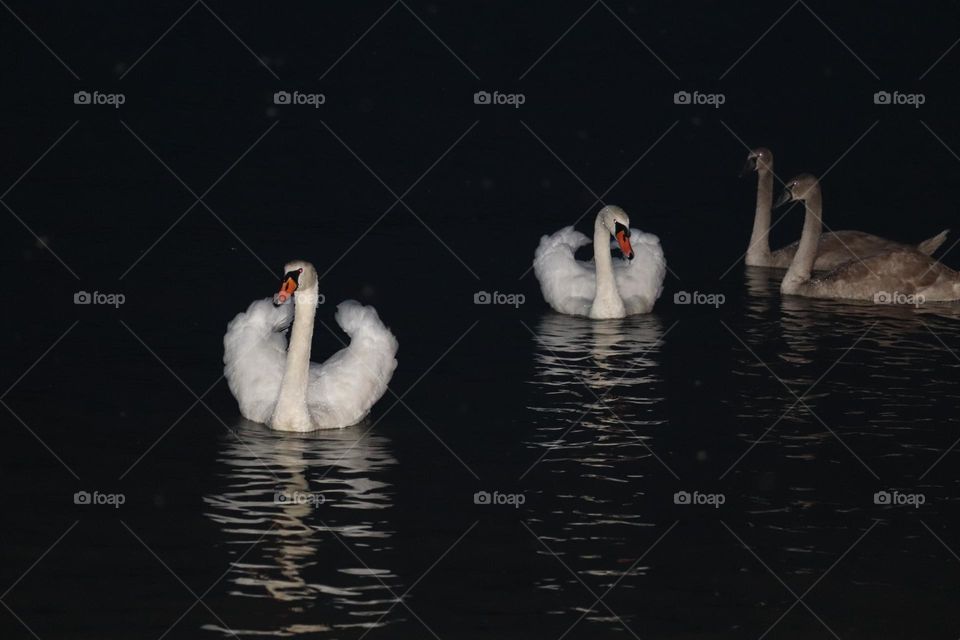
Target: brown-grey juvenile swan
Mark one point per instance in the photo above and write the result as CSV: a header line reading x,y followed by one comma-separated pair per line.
x,y
903,272
279,386
605,288
835,247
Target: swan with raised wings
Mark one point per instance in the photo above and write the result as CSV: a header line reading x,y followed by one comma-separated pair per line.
x,y
605,288
834,248
279,386
901,274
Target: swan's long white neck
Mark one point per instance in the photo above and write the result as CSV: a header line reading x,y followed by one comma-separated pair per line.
x,y
607,303
291,409
758,252
802,266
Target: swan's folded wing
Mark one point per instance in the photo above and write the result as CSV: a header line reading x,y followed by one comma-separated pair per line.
x,y
343,389
640,281
568,285
254,355
902,272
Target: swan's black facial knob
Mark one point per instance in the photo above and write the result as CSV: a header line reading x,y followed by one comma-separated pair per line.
x,y
288,284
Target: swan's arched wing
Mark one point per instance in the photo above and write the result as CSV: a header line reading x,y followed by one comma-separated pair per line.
x,y
343,389
254,355
640,281
568,285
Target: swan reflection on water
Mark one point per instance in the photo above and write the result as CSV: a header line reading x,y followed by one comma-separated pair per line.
x,y
597,406
600,353
598,386
871,378
806,324
279,502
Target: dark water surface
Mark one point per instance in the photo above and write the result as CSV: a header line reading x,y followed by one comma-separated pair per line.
x,y
785,415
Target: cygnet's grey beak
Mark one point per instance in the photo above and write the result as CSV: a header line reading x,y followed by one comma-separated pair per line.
x,y
784,198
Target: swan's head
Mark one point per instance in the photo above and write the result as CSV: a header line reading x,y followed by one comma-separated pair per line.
x,y
800,188
757,159
298,274
617,223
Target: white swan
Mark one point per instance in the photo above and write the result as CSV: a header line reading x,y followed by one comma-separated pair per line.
x,y
604,288
835,247
905,273
280,387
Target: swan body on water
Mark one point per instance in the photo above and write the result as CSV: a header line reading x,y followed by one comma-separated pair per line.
x,y
279,386
834,248
604,288
903,274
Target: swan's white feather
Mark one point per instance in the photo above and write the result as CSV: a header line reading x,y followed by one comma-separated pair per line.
x,y
254,355
570,285
640,281
341,391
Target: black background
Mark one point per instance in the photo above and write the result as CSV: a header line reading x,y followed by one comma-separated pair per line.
x,y
598,103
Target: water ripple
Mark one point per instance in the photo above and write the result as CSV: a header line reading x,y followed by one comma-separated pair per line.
x,y
286,505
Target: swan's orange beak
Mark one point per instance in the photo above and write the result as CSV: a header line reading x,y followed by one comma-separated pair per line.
x,y
624,241
286,290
